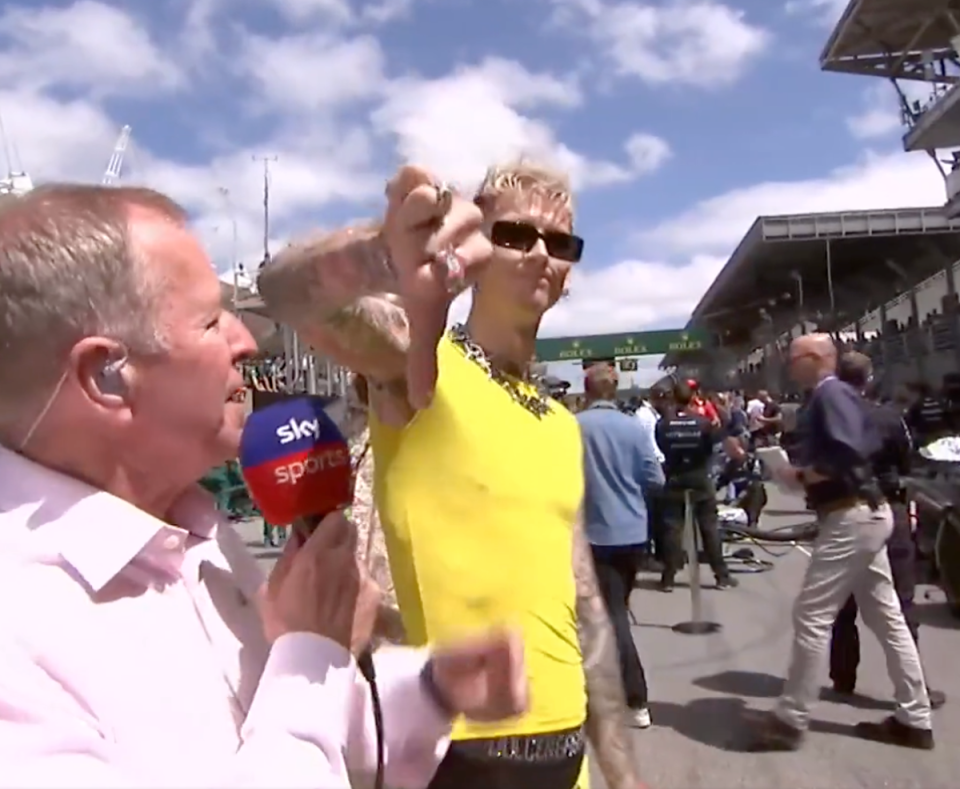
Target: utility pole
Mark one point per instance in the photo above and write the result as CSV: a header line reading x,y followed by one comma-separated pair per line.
x,y
266,204
234,246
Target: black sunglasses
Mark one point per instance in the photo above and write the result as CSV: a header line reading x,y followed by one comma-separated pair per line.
x,y
523,236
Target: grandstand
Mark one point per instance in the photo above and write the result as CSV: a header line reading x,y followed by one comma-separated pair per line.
x,y
883,281
914,44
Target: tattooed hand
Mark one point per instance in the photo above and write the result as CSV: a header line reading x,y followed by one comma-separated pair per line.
x,y
437,247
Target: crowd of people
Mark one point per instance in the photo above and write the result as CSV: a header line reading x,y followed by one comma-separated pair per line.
x,y
850,453
513,528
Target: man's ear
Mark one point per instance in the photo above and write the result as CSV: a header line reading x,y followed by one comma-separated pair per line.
x,y
98,363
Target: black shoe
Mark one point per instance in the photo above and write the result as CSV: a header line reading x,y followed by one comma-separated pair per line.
x,y
727,582
937,698
667,585
892,732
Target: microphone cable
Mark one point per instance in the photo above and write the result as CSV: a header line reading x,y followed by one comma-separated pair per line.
x,y
365,663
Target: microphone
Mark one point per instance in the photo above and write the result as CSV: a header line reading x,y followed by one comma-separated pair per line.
x,y
295,461
296,465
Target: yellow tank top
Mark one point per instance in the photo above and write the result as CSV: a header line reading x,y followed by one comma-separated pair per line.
x,y
477,500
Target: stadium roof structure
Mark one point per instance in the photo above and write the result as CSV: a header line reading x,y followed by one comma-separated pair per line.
x,y
823,268
896,39
937,126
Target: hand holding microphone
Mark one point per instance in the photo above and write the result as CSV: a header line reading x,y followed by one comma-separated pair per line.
x,y
296,464
317,586
297,467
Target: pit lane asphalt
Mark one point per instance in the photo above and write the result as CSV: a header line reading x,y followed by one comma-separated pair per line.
x,y
700,685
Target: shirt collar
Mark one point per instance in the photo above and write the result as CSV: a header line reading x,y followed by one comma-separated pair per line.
x,y
603,404
95,532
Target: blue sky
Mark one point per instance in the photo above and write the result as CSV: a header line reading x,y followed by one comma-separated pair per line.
x,y
679,120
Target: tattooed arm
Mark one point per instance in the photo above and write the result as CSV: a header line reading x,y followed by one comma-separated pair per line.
x,y
339,293
606,703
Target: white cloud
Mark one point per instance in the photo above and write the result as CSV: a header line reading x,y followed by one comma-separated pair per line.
x,y
647,152
693,42
459,124
339,12
306,10
313,72
825,12
873,122
875,181
631,294
87,45
624,297
386,10
315,81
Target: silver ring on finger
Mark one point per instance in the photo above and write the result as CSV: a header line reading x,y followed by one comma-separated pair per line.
x,y
444,198
453,271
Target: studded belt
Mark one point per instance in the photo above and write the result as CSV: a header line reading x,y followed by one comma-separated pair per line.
x,y
533,748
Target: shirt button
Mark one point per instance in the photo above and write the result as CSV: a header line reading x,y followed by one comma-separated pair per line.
x,y
172,542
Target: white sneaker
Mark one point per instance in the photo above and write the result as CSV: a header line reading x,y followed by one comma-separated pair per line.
x,y
640,719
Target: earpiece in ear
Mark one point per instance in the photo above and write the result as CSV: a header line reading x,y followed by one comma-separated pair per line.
x,y
110,381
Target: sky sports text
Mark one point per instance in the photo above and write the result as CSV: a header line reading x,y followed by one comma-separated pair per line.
x,y
291,473
297,429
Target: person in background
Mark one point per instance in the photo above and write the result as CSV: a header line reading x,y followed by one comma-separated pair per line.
x,y
701,405
721,403
661,401
927,417
661,406
687,441
648,417
274,536
738,423
755,408
622,473
833,467
146,648
771,421
890,465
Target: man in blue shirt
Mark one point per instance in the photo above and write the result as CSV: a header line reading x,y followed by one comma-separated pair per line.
x,y
622,471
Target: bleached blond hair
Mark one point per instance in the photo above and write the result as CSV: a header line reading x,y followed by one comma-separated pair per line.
x,y
529,184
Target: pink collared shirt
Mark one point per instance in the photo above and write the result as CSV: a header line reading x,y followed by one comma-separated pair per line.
x,y
132,655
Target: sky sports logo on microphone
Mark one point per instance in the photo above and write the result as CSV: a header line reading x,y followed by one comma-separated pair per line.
x,y
295,460
296,430
312,463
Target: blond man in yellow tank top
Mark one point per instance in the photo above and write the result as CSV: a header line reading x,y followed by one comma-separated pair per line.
x,y
376,299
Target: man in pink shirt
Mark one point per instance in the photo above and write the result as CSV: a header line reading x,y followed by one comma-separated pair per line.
x,y
140,645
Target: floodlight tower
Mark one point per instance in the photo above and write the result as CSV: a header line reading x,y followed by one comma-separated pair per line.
x,y
18,181
115,165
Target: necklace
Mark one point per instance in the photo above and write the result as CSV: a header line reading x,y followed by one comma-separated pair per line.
x,y
536,404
